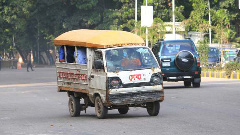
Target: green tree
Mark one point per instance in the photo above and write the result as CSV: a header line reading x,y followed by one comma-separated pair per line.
x,y
197,21
13,23
156,31
221,26
203,49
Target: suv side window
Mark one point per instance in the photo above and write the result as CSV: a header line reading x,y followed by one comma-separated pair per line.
x,y
156,49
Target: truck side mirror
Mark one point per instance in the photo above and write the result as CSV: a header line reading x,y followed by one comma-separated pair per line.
x,y
98,64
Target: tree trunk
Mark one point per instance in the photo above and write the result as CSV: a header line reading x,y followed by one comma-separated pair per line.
x,y
24,57
48,56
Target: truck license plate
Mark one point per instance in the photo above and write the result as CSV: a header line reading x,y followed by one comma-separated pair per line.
x,y
166,64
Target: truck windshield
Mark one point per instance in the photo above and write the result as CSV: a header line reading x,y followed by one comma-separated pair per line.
x,y
124,59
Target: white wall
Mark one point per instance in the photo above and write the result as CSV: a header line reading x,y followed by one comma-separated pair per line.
x,y
171,36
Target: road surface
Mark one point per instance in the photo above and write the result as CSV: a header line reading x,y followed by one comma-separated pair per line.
x,y
31,105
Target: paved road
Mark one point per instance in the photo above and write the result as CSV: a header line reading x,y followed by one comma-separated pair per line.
x,y
30,104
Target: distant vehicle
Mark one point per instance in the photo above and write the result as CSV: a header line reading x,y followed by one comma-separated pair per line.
x,y
237,59
229,54
213,56
179,61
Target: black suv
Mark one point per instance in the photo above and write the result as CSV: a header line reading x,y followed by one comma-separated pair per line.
x,y
179,61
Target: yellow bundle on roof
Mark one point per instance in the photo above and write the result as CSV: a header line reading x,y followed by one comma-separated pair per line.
x,y
98,38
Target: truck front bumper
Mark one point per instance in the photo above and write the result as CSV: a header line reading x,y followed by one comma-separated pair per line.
x,y
136,95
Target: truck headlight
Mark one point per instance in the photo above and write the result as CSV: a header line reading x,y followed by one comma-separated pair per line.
x,y
156,79
114,83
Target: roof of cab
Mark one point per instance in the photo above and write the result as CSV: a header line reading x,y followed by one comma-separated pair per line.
x,y
98,38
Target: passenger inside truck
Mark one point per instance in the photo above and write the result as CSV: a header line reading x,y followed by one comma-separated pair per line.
x,y
81,55
132,59
70,54
61,54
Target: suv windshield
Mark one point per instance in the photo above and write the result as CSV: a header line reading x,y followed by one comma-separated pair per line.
x,y
123,59
172,48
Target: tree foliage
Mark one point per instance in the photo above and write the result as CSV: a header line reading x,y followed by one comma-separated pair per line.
x,y
203,52
27,25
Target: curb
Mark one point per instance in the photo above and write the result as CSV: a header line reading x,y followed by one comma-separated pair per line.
x,y
212,74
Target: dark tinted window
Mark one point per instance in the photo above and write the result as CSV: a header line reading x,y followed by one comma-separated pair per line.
x,y
172,48
213,52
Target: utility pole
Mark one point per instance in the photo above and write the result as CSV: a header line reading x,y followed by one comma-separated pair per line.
x,y
146,31
38,55
173,10
135,16
210,32
13,47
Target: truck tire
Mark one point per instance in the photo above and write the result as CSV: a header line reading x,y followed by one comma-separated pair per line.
x,y
123,110
100,109
153,108
74,106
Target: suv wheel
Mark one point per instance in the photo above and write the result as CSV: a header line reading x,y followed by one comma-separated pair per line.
x,y
196,85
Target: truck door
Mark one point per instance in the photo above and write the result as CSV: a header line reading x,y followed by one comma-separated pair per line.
x,y
98,75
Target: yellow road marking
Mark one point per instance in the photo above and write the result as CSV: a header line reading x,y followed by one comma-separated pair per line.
x,y
30,84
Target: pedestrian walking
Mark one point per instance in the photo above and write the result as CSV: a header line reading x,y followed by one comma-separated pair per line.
x,y
29,62
0,62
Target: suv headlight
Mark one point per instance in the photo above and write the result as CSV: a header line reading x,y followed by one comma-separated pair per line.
x,y
156,79
114,83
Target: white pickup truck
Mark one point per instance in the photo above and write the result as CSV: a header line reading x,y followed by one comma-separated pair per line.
x,y
119,72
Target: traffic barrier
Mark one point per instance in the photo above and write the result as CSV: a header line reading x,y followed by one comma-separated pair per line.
x,y
234,75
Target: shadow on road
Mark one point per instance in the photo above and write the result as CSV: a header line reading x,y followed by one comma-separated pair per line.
x,y
175,87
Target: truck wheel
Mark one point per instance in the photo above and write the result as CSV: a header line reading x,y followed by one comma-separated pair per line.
x,y
100,109
187,83
196,85
123,110
153,108
74,106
